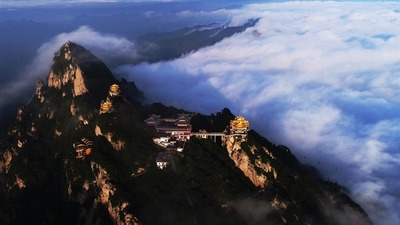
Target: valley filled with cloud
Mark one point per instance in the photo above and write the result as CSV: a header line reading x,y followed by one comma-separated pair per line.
x,y
319,77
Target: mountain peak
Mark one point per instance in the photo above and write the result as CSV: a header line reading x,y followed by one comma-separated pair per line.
x,y
76,71
67,49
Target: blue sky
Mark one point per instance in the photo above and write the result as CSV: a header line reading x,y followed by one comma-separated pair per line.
x,y
30,3
35,3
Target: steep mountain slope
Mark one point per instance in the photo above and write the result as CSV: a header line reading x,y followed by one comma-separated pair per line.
x,y
80,153
41,178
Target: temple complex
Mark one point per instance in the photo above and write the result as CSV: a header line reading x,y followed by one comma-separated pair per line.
x,y
178,127
153,120
172,133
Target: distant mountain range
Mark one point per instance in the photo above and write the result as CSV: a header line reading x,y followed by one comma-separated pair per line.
x,y
155,47
80,153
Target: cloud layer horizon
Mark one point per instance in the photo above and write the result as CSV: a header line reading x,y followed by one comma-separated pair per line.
x,y
319,77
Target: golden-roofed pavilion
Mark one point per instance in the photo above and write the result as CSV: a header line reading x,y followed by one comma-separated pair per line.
x,y
106,106
239,123
114,90
239,126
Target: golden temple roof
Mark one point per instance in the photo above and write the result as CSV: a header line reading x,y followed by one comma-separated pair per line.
x,y
239,123
106,106
114,88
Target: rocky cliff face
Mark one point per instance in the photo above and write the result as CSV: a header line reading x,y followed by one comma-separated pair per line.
x,y
70,73
117,144
76,71
118,212
273,168
256,170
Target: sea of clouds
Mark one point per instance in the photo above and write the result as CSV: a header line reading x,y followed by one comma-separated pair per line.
x,y
320,77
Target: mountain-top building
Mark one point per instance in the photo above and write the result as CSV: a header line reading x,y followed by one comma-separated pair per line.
x,y
239,125
239,128
183,120
83,148
153,120
162,160
106,106
114,90
179,127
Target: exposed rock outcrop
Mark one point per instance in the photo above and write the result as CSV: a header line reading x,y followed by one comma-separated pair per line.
x,y
5,162
54,80
119,212
19,182
39,90
20,113
65,71
117,144
32,130
256,171
20,143
79,83
73,108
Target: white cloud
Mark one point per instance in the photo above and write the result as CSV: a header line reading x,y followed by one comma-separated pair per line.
x,y
322,78
253,211
105,46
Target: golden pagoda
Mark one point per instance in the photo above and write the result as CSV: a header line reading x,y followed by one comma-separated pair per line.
x,y
114,90
239,125
106,106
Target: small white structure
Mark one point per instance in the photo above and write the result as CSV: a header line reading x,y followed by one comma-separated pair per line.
x,y
180,145
162,139
162,160
159,140
161,164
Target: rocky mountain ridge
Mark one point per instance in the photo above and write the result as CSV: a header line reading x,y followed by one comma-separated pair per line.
x,y
42,137
43,181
